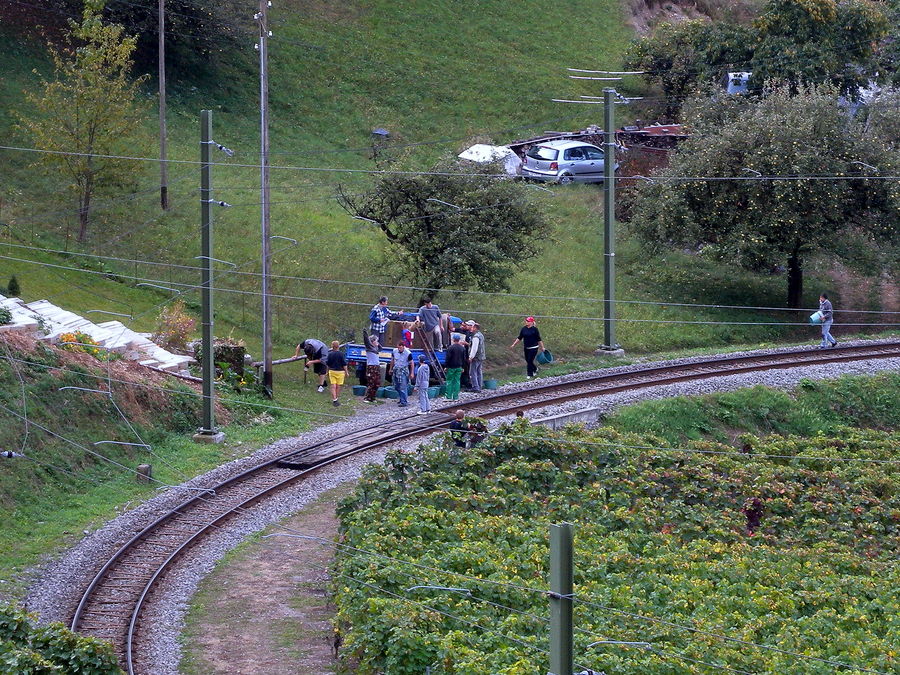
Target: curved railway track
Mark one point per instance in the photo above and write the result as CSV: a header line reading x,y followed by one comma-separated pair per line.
x,y
112,605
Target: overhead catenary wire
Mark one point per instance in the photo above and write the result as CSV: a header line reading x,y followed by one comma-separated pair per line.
x,y
84,448
727,638
485,176
285,296
457,291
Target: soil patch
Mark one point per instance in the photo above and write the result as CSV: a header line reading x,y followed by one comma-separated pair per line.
x,y
265,609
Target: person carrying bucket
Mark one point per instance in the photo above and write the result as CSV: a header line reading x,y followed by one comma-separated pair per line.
x,y
530,337
826,316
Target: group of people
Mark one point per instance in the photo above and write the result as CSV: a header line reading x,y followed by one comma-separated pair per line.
x,y
330,363
463,359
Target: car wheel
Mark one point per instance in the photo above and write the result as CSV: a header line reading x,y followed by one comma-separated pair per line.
x,y
565,178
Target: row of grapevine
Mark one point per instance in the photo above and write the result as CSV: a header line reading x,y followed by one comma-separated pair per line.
x,y
788,544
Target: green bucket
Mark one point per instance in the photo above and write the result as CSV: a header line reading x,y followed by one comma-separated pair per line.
x,y
545,357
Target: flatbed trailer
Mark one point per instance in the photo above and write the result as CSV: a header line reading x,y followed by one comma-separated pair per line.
x,y
356,352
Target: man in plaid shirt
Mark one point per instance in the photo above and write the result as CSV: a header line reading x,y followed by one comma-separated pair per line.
x,y
379,317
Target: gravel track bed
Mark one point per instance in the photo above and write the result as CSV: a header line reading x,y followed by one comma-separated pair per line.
x,y
55,593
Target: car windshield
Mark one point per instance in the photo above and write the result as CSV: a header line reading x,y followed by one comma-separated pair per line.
x,y
543,152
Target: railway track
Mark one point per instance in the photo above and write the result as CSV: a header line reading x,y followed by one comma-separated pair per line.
x,y
112,605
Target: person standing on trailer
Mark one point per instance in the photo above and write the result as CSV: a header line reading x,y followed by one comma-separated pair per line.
x,y
337,371
530,337
315,351
827,311
453,367
476,355
430,316
401,365
373,367
379,317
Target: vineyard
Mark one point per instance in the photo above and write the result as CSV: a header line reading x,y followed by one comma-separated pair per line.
x,y
773,557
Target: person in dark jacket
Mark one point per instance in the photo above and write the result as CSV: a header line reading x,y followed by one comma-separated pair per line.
x,y
827,319
337,371
315,351
530,337
453,367
459,430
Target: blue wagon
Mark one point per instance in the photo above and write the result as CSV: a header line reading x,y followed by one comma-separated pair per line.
x,y
356,352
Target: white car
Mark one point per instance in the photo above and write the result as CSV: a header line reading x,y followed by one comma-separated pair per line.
x,y
564,162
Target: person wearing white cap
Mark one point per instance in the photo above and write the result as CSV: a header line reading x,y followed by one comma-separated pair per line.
x,y
476,355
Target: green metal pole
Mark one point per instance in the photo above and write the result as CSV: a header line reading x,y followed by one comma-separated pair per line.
x,y
206,263
609,220
561,585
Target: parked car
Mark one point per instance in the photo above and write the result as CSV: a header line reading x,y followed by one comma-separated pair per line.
x,y
564,162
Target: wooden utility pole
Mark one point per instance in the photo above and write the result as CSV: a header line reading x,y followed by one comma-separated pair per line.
x,y
163,163
263,18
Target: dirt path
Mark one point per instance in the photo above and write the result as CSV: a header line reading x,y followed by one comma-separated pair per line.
x,y
264,610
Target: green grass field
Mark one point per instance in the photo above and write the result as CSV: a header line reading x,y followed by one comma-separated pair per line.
x,y
437,75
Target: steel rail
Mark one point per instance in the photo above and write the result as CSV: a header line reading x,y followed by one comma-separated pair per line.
x,y
304,462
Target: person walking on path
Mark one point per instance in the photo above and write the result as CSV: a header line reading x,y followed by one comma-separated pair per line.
x,y
430,316
373,367
423,375
827,311
476,356
401,365
530,337
315,351
453,366
337,371
379,317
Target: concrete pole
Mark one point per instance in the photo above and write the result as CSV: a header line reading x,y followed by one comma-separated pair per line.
x,y
609,220
561,585
264,195
163,152
208,432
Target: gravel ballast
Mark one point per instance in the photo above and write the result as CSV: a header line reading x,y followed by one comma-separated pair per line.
x,y
56,592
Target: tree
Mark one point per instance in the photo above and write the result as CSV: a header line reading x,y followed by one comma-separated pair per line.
x,y
453,227
818,41
803,135
681,56
89,108
797,41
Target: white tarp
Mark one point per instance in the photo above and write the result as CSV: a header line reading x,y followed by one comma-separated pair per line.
x,y
483,154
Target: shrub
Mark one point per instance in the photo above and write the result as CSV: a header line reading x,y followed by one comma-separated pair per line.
x,y
27,649
13,289
5,316
173,327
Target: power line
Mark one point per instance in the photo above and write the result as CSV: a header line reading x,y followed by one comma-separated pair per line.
x,y
388,172
726,638
699,451
186,287
388,284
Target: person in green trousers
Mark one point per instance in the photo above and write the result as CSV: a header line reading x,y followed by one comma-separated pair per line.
x,y
453,366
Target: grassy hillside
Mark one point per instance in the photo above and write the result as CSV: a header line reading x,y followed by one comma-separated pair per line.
x,y
436,75
65,484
